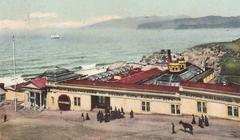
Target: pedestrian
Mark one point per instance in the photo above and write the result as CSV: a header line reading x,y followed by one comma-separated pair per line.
x,y
200,122
173,129
118,114
131,114
122,111
206,121
87,117
106,118
203,120
101,117
193,119
82,117
5,118
98,116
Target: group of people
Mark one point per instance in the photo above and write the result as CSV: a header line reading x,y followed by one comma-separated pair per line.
x,y
203,120
83,117
110,114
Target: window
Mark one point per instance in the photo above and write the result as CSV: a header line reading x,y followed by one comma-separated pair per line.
x,y
77,101
143,106
230,111
175,109
202,107
146,106
101,100
199,107
2,97
233,111
178,109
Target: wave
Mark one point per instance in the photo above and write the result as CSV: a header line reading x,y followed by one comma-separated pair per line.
x,y
8,81
103,64
89,66
77,68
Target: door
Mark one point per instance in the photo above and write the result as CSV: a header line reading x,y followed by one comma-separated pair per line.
x,y
64,102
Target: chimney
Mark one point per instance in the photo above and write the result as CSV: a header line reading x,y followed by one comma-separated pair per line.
x,y
169,56
2,85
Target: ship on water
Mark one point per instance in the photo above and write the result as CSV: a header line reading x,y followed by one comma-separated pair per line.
x,y
55,36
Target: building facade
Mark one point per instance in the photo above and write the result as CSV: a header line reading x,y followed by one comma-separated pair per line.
x,y
132,93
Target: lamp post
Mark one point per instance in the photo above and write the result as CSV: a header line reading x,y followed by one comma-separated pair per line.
x,y
14,73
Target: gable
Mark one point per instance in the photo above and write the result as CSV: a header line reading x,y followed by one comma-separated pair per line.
x,y
30,85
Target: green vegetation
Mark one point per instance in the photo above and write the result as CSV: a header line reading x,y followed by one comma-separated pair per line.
x,y
230,66
232,46
230,62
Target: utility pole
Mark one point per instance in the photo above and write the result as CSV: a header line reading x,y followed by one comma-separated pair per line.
x,y
14,72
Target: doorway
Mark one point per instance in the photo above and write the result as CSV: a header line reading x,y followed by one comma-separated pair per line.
x,y
64,102
100,101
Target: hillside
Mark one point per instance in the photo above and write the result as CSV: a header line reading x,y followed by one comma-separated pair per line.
x,y
133,22
224,57
194,23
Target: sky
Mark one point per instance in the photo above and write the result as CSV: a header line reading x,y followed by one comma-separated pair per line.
x,y
35,14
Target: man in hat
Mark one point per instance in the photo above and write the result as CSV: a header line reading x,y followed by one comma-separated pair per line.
x,y
82,117
5,118
193,119
131,114
206,121
173,129
87,117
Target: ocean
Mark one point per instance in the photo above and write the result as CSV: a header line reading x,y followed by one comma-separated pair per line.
x,y
90,48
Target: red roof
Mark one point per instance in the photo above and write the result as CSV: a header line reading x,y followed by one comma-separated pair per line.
x,y
19,85
134,78
40,82
208,86
115,85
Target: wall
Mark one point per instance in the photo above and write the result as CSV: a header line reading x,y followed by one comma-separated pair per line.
x,y
214,108
85,101
21,96
208,78
135,104
127,103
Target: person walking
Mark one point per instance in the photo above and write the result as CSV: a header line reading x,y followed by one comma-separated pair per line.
x,y
193,119
5,118
87,117
131,114
173,129
82,117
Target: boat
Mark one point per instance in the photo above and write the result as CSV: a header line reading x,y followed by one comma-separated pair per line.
x,y
55,36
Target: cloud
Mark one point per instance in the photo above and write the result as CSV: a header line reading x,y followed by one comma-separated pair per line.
x,y
32,24
13,24
42,15
81,23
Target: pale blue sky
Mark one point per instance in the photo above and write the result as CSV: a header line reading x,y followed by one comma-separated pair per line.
x,y
75,10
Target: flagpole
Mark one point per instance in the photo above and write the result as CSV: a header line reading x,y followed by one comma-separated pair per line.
x,y
14,71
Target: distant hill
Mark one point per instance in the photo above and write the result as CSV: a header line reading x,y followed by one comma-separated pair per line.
x,y
194,23
133,22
